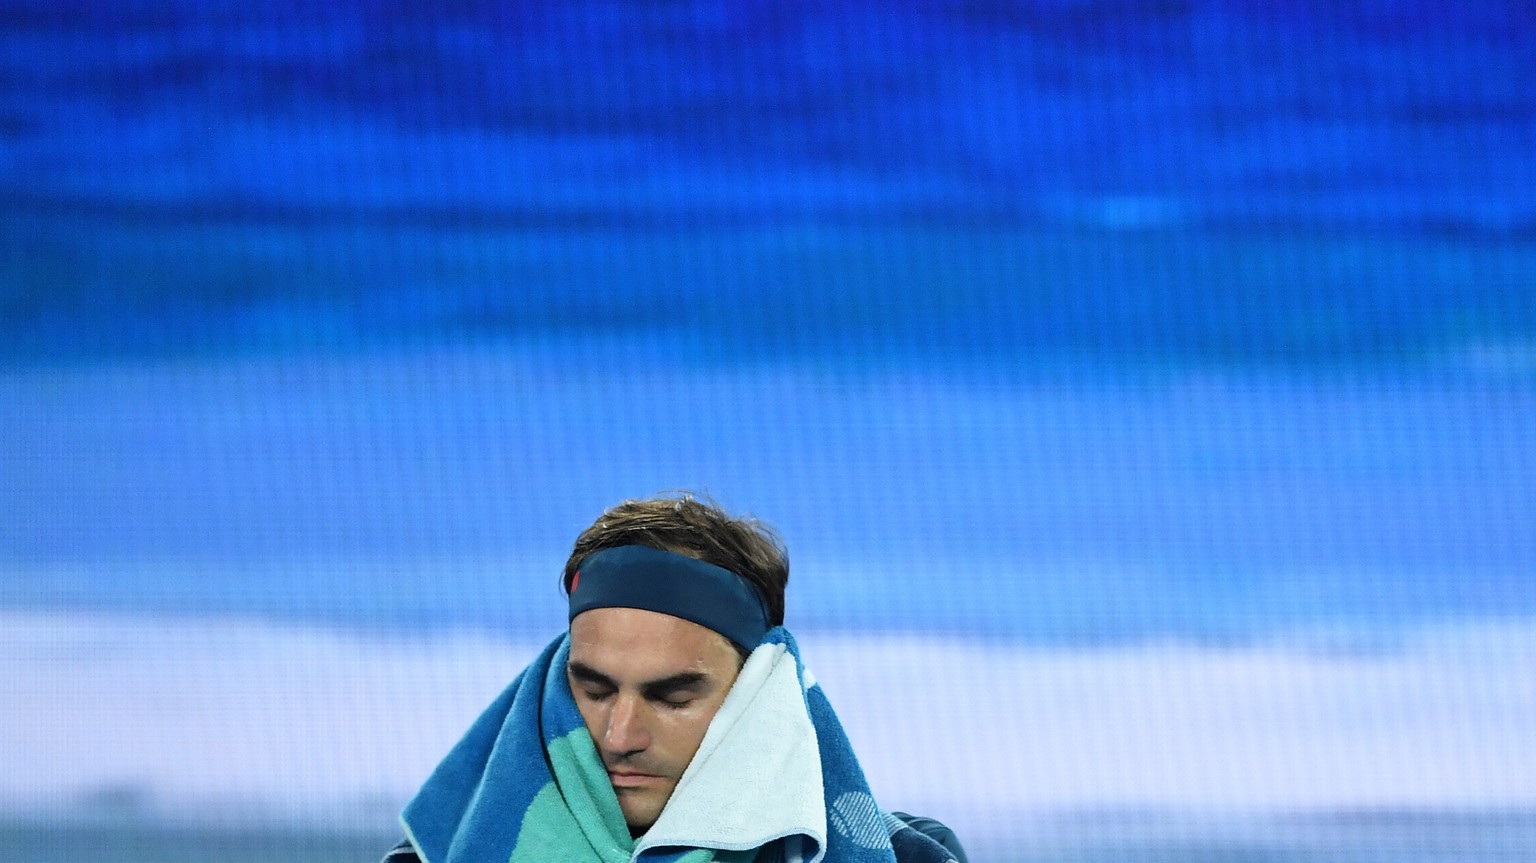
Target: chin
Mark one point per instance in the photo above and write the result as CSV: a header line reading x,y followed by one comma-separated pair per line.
x,y
640,818
637,828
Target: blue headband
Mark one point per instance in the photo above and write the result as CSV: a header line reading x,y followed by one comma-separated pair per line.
x,y
638,576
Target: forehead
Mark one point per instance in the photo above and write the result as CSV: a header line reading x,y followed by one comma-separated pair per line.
x,y
632,644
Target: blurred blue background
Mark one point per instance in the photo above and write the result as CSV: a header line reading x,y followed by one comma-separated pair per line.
x,y
1170,361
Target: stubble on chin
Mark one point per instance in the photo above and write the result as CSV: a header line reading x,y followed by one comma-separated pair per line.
x,y
641,808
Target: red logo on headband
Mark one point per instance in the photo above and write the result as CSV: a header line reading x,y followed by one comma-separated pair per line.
x,y
575,580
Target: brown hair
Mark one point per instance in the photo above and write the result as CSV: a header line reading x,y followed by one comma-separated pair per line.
x,y
683,524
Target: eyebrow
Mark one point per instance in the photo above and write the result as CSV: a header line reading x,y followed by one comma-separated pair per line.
x,y
660,688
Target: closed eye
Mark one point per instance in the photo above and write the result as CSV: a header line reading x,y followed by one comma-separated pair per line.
x,y
591,683
679,690
676,691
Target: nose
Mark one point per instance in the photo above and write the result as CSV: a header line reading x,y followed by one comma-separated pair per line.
x,y
626,733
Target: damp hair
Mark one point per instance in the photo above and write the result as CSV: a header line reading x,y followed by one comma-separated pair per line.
x,y
699,528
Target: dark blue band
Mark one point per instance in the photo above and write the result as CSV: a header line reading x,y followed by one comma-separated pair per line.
x,y
638,576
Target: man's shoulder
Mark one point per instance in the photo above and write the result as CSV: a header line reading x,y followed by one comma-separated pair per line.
x,y
918,839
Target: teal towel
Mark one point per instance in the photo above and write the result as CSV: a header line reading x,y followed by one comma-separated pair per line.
x,y
774,779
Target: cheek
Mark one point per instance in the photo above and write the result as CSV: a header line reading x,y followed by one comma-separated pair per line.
x,y
592,715
687,728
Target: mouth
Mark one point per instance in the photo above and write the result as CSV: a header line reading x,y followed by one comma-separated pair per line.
x,y
627,779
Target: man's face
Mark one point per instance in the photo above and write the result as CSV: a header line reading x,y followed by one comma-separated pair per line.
x,y
647,684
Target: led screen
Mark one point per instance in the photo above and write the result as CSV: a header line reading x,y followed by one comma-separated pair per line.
x,y
1145,392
